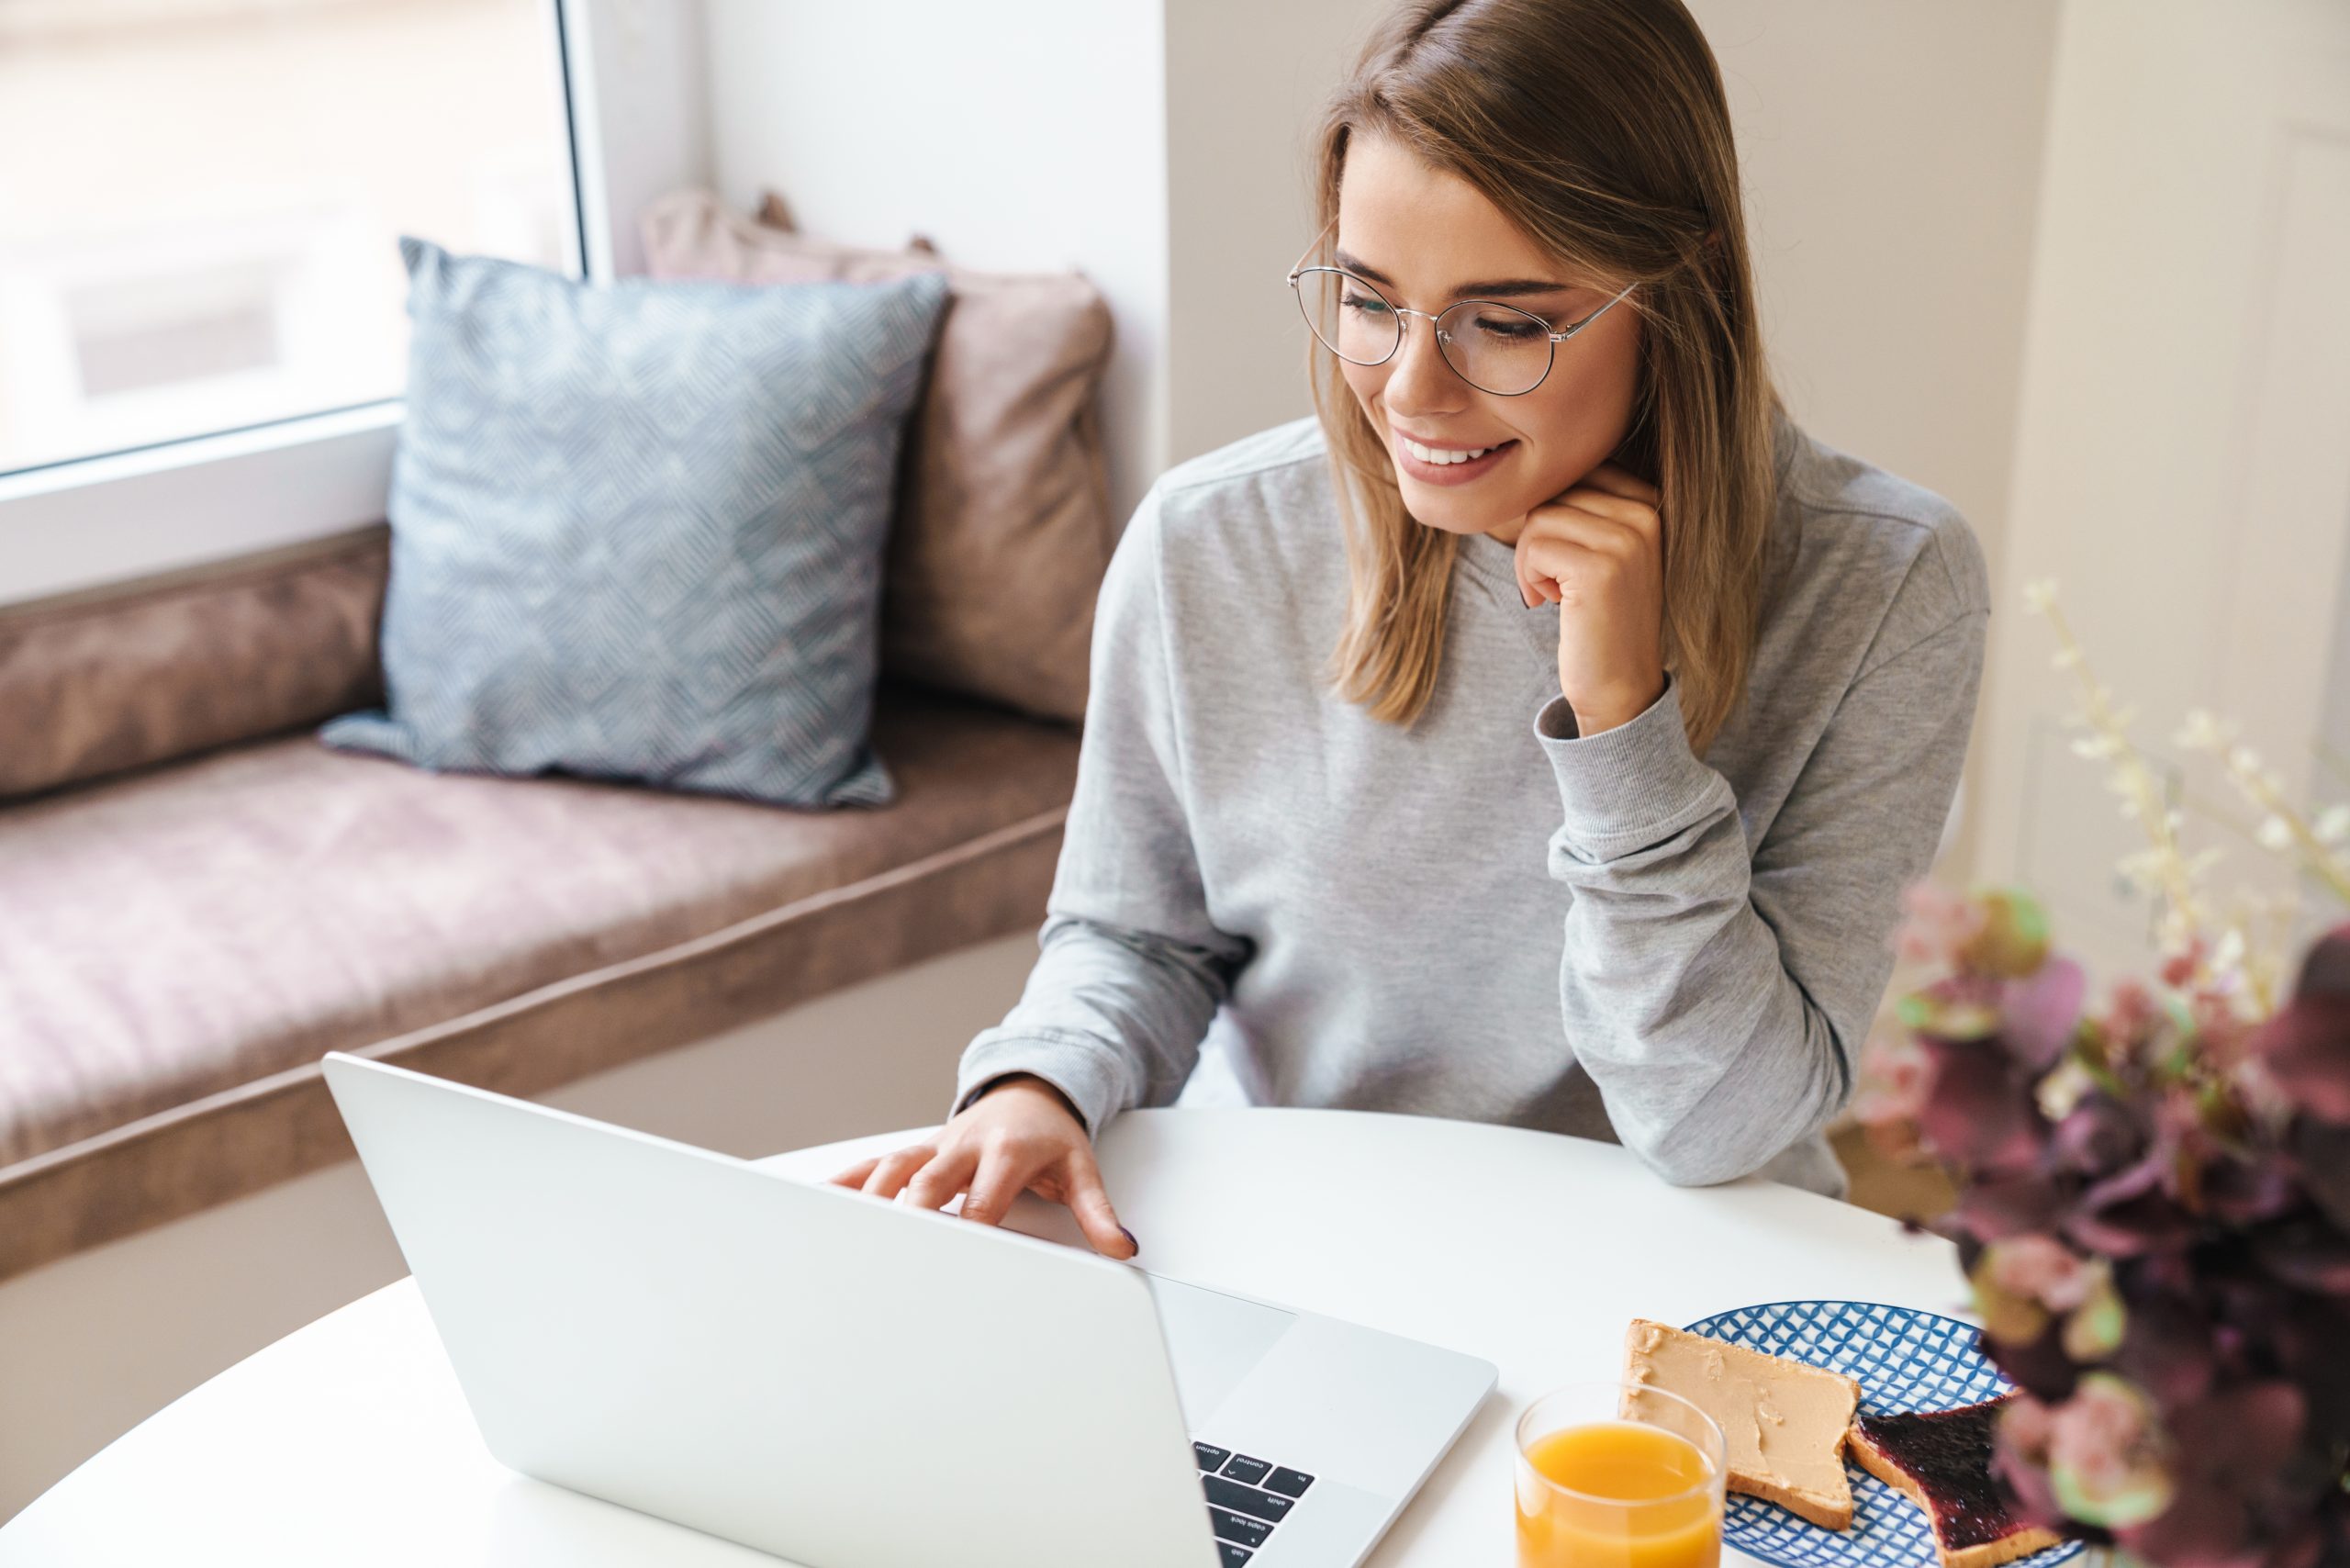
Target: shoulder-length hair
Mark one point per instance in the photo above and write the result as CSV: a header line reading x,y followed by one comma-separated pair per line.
x,y
1600,129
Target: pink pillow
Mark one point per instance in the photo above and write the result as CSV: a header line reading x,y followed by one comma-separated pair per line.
x,y
1002,528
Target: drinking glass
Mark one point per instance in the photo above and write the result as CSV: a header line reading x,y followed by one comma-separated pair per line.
x,y
1612,1475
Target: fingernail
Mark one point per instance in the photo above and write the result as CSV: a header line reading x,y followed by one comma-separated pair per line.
x,y
1130,1239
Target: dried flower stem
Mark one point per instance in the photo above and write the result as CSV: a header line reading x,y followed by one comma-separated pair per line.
x,y
2261,789
2136,780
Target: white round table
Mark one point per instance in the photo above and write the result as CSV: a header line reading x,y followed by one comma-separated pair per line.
x,y
348,1442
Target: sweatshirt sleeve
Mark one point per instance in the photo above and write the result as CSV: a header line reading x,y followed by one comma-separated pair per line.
x,y
1718,998
1130,969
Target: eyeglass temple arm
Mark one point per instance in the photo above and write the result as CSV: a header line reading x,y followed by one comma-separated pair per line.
x,y
1570,331
1309,249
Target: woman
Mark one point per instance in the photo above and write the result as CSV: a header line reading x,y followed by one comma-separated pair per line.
x,y
1570,786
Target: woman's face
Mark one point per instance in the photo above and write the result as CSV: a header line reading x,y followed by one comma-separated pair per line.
x,y
1427,237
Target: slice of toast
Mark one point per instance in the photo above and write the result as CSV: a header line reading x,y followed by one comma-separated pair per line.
x,y
1786,1421
1942,1459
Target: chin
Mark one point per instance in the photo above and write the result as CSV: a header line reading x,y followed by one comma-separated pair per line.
x,y
1453,513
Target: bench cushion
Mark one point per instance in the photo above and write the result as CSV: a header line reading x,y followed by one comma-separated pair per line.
x,y
180,946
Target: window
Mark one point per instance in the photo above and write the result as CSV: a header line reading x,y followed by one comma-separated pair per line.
x,y
200,200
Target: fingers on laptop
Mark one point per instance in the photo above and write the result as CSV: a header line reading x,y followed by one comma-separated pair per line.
x,y
936,1184
1089,1201
895,1167
990,1176
856,1174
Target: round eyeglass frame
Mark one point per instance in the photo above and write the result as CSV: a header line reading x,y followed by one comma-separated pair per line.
x,y
1436,322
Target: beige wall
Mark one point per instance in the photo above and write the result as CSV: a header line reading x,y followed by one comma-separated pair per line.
x,y
2183,467
1245,82
1892,156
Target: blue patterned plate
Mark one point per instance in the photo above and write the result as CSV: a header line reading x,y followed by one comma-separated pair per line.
x,y
1905,1360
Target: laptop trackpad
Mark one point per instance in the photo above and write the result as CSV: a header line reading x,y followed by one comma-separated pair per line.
x,y
1212,1340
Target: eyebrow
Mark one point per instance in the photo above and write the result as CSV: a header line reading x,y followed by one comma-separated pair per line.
x,y
1505,289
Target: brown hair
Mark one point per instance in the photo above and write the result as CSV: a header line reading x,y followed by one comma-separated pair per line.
x,y
1600,129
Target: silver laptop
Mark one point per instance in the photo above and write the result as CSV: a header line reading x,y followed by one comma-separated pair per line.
x,y
850,1383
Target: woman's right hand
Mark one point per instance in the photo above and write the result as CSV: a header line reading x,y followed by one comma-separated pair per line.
x,y
1018,1136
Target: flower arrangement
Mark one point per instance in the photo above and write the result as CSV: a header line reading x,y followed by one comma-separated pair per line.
x,y
2154,1189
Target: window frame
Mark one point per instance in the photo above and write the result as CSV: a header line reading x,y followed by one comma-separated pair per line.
x,y
82,523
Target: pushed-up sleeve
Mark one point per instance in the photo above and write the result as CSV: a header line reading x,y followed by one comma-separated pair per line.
x,y
1718,997
1130,969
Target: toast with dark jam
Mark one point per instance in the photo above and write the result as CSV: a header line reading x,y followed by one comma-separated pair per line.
x,y
1942,1459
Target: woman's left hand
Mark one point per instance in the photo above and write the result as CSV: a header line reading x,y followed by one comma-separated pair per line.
x,y
1597,549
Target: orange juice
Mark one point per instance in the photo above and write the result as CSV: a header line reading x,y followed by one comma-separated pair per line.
x,y
1623,1494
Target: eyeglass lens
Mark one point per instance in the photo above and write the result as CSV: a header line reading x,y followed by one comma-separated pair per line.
x,y
1493,347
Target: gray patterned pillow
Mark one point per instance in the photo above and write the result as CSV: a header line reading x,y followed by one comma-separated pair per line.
x,y
638,528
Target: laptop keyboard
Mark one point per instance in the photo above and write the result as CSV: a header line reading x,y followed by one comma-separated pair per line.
x,y
1247,1498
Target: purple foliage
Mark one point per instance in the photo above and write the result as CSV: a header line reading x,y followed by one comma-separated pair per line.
x,y
2154,1207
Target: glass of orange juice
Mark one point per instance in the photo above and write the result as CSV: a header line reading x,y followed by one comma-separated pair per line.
x,y
1615,1477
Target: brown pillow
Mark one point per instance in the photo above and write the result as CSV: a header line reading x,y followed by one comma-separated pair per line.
x,y
132,672
1002,528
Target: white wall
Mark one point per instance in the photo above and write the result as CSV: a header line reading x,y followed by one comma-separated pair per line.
x,y
643,117
1023,134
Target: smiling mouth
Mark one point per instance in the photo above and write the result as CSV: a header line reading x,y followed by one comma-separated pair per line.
x,y
1448,471
1441,457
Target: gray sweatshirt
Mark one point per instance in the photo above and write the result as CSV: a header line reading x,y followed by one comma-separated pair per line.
x,y
1487,917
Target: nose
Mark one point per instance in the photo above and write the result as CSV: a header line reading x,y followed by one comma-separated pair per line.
x,y
1419,377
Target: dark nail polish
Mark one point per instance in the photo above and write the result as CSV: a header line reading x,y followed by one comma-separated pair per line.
x,y
1130,1239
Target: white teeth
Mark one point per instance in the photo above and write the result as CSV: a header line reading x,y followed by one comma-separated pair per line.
x,y
1430,455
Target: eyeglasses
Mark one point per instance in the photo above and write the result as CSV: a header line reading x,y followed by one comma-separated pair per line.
x,y
1496,348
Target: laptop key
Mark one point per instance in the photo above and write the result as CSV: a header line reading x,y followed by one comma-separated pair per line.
x,y
1234,1528
1288,1482
1243,1469
1211,1456
1234,1556
1269,1506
